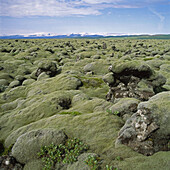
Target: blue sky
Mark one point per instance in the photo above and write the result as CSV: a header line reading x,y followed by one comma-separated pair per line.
x,y
92,16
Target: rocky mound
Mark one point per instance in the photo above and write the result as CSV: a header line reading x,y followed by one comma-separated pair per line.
x,y
147,131
133,79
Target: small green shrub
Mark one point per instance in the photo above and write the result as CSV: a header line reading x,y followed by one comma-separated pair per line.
x,y
93,162
74,113
109,111
110,168
115,112
118,158
63,153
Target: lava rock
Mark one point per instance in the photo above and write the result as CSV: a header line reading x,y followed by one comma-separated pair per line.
x,y
8,162
109,79
28,82
125,106
133,79
14,83
28,145
147,131
50,68
88,67
3,82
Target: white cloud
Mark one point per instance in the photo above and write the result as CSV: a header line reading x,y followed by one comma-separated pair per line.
x,y
100,1
21,8
160,16
18,8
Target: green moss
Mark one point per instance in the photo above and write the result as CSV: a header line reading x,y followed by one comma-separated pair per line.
x,y
91,82
40,103
74,113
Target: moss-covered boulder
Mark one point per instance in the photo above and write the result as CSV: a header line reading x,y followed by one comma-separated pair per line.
x,y
3,82
28,82
42,76
34,109
28,145
60,82
34,165
10,106
14,83
81,163
124,106
135,68
50,68
109,79
147,131
134,79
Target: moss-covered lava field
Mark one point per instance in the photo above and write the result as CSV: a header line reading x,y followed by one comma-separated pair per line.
x,y
111,94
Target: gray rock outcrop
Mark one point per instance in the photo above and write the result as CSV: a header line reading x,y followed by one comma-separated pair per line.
x,y
133,79
148,130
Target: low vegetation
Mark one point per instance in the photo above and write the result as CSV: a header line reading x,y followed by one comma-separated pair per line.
x,y
66,153
111,93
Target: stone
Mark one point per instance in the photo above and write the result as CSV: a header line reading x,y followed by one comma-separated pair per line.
x,y
20,78
50,68
33,75
42,76
109,79
3,82
125,106
134,79
34,165
14,83
147,131
28,145
96,57
89,73
79,97
28,82
9,162
135,68
6,76
80,164
88,67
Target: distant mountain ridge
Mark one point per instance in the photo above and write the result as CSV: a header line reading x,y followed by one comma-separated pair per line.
x,y
85,35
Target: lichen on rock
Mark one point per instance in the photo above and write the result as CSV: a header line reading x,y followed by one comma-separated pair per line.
x,y
147,131
133,79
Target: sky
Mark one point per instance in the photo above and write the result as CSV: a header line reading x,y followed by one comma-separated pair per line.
x,y
91,16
